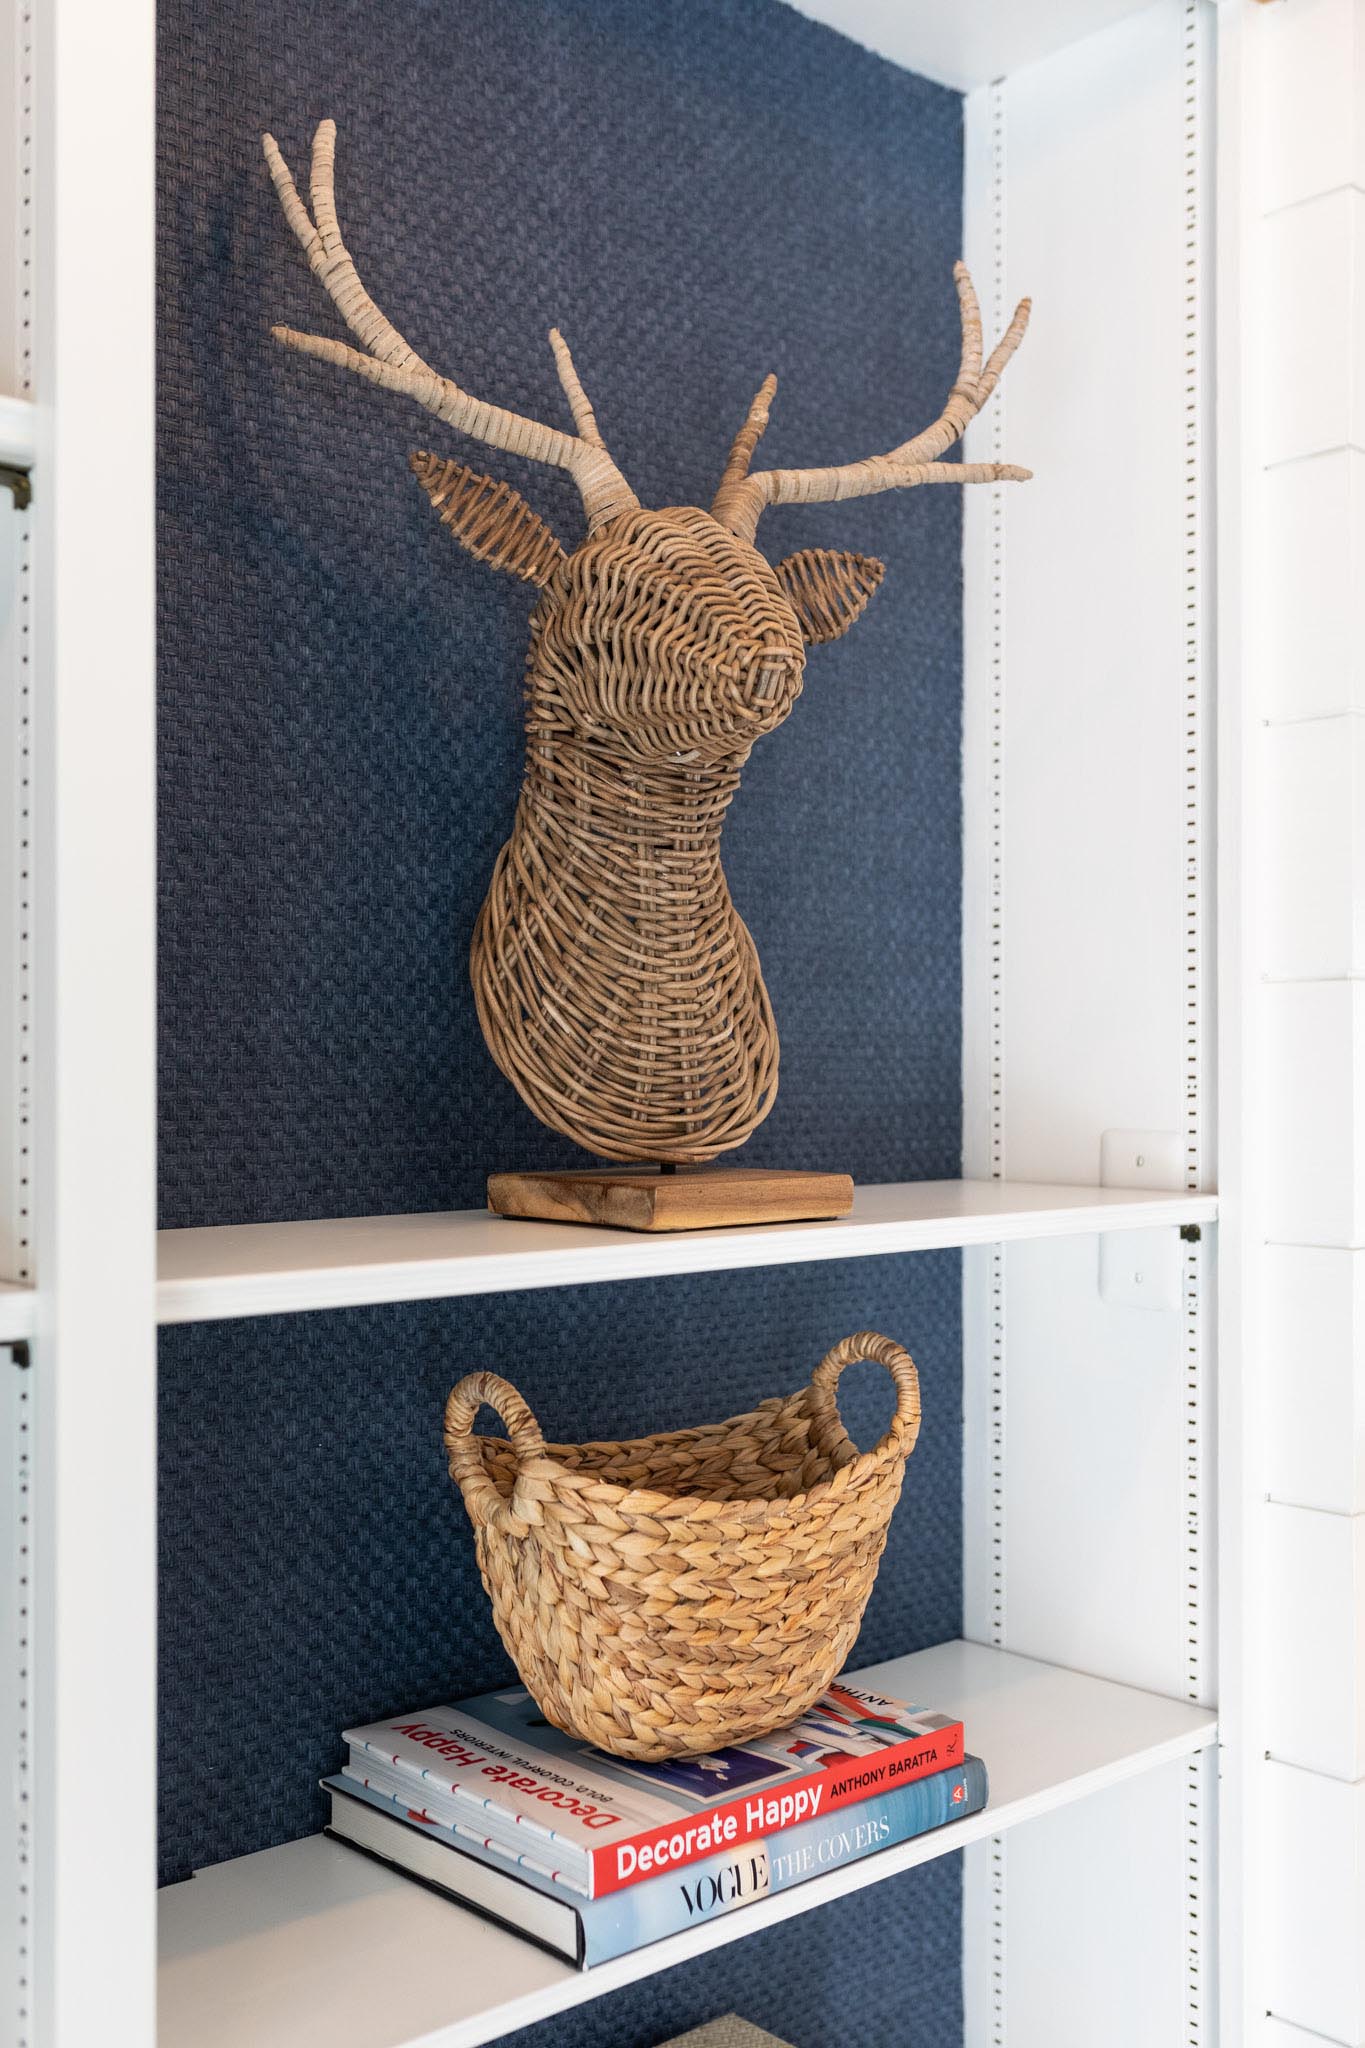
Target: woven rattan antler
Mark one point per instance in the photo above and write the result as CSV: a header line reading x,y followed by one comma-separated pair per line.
x,y
618,988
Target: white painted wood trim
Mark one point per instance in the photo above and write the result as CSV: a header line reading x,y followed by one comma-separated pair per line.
x,y
1244,1887
94,1365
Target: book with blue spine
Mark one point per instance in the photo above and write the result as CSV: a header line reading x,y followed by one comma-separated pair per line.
x,y
518,1891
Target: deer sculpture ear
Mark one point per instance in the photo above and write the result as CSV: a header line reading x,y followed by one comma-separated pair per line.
x,y
828,590
492,520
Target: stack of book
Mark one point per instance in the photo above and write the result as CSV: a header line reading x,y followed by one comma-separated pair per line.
x,y
592,1857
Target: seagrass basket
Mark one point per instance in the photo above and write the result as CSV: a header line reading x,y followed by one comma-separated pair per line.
x,y
681,1592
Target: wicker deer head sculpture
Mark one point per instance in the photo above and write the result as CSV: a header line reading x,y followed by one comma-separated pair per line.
x,y
617,987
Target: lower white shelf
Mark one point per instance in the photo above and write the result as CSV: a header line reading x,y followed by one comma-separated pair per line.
x,y
18,1312
18,430
313,1943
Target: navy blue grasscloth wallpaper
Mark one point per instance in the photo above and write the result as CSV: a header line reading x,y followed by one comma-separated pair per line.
x,y
697,191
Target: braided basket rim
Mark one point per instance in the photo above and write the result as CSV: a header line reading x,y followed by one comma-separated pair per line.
x,y
643,1500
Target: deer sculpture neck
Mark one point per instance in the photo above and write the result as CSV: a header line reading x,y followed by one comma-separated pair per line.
x,y
617,987
649,1033
647,1030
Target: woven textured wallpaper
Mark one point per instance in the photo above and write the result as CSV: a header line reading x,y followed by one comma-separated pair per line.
x,y
697,191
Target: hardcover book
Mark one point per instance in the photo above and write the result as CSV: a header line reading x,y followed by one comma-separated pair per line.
x,y
496,1770
519,1894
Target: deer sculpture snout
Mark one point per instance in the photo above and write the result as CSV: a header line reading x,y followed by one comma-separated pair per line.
x,y
667,637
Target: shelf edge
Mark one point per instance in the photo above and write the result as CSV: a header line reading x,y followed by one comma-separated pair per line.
x,y
18,1312
301,1290
18,430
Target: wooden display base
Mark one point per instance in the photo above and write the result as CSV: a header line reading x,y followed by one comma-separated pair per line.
x,y
694,1198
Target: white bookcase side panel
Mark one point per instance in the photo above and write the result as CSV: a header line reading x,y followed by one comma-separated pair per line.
x,y
1088,1530
1078,1969
1315,1618
1092,576
1315,1945
92,1973
1315,839
1312,138
1280,2033
1315,1112
1314,380
1313,653
1314,1332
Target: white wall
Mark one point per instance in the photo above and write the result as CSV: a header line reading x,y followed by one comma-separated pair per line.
x,y
1303,294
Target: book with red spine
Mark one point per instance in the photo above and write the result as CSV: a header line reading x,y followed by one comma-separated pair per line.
x,y
596,1823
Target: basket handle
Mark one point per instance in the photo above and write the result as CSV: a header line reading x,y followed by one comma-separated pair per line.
x,y
904,1430
463,1449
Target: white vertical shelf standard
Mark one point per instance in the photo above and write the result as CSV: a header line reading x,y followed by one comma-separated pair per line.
x,y
18,450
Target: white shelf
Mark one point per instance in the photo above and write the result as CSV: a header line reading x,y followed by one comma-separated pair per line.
x,y
973,41
311,1942
18,1312
18,430
257,1269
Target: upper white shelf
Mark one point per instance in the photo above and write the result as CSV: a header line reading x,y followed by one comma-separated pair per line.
x,y
311,1942
256,1269
971,42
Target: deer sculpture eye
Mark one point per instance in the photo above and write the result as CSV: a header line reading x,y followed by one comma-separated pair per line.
x,y
617,986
